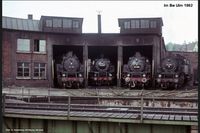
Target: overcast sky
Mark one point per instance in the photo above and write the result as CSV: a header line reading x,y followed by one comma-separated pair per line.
x,y
180,23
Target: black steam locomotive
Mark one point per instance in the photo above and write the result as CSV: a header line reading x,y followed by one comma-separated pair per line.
x,y
70,72
137,72
174,72
101,72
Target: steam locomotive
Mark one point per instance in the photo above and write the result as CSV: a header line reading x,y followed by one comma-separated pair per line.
x,y
101,72
174,72
70,72
137,72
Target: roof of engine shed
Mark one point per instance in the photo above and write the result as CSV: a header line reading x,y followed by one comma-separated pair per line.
x,y
27,24
34,25
20,24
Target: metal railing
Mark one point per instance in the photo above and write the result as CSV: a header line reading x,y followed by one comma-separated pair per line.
x,y
141,109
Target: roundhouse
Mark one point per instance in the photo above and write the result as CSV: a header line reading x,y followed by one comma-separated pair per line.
x,y
31,48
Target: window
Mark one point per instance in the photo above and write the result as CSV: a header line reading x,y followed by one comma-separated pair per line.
x,y
48,23
144,23
135,24
23,69
127,25
40,46
40,70
75,24
57,23
153,24
23,45
67,23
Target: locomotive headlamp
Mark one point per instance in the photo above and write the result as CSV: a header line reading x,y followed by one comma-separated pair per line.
x,y
110,74
159,75
128,75
80,75
95,75
176,76
144,75
63,75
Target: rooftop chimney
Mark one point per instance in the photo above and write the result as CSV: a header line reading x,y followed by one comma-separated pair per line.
x,y
30,16
99,23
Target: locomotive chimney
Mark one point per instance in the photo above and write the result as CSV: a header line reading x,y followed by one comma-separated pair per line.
x,y
99,23
30,16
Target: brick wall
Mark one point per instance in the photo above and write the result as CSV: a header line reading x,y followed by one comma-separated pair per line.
x,y
6,59
11,57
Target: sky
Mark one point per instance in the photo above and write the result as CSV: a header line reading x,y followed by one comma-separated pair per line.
x,y
180,23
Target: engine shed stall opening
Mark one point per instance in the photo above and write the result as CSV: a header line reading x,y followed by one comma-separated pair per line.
x,y
109,52
129,51
59,51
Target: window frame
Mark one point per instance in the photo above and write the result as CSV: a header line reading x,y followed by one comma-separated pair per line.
x,y
136,24
18,43
144,24
127,25
39,67
39,45
46,21
75,24
57,23
69,23
23,71
153,24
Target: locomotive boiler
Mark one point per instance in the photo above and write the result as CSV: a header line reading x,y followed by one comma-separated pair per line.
x,y
70,72
101,72
174,72
137,72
